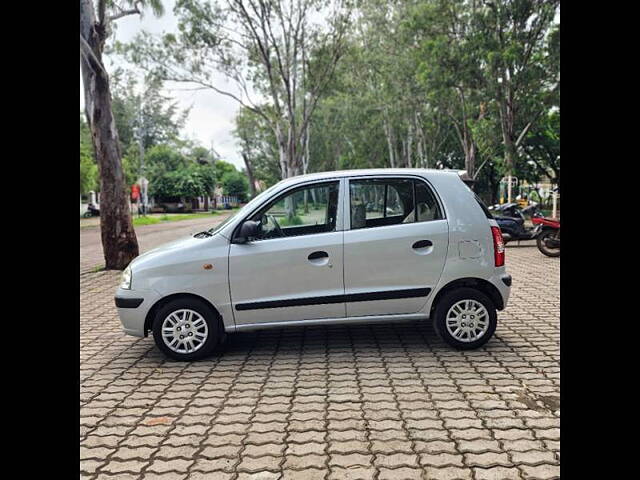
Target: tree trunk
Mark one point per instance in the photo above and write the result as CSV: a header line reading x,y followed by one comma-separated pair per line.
x,y
470,160
409,147
119,241
252,181
387,131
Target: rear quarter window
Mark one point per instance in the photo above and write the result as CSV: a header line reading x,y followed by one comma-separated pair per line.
x,y
483,206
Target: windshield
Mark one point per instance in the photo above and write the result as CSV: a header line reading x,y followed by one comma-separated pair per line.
x,y
244,210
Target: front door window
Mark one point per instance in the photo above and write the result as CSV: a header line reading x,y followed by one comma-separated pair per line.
x,y
302,211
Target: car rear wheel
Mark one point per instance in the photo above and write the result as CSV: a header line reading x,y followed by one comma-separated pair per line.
x,y
465,318
186,329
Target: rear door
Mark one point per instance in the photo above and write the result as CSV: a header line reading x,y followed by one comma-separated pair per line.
x,y
395,245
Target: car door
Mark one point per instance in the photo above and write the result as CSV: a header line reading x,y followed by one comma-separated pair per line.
x,y
395,245
294,269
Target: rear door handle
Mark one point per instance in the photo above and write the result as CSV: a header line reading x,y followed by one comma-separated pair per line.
x,y
422,244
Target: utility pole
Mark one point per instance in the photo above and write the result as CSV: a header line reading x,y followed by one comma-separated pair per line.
x,y
141,134
213,165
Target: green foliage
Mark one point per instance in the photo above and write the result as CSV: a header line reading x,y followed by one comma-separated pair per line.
x,y
88,173
165,158
143,110
88,169
542,147
186,182
436,84
235,183
223,168
176,174
258,145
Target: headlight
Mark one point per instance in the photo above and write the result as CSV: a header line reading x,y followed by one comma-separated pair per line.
x,y
126,279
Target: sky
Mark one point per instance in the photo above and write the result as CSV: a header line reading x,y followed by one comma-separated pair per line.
x,y
212,115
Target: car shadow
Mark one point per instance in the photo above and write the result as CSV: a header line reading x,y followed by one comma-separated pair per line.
x,y
378,339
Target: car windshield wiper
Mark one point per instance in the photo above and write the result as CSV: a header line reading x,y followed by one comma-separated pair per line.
x,y
205,233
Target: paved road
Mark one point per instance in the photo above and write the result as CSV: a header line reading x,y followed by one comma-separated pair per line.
x,y
369,401
149,236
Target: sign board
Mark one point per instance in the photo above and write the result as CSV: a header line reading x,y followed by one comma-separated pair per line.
x,y
135,192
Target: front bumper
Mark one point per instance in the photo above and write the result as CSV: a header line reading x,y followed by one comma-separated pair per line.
x,y
133,307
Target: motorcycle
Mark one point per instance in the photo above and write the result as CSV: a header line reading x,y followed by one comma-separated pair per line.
x,y
511,218
548,240
92,211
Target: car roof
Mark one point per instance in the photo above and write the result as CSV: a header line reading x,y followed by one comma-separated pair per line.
x,y
429,172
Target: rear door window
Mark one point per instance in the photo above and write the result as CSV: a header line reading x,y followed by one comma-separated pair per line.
x,y
380,202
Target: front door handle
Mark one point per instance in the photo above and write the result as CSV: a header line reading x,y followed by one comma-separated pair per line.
x,y
422,244
319,258
318,255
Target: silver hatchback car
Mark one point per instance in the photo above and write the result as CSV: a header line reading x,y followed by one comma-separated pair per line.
x,y
336,247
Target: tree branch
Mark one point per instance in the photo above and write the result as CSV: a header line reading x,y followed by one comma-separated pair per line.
x,y
86,49
124,13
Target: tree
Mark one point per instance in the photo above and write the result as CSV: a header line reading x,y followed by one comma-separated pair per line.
x,y
235,183
180,183
222,168
514,37
542,147
119,241
173,173
271,45
259,149
450,69
143,112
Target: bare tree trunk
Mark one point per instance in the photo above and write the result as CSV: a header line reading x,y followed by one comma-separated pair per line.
x,y
119,241
470,160
409,146
387,131
252,181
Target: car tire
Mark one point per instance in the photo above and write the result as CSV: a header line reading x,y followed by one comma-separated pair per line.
x,y
468,302
192,329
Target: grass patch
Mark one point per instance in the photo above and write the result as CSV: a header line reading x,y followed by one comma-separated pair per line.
x,y
288,222
152,219
148,220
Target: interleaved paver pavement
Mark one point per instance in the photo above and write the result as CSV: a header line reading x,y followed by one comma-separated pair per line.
x,y
378,401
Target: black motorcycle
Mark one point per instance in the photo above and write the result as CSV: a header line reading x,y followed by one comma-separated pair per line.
x,y
92,211
511,218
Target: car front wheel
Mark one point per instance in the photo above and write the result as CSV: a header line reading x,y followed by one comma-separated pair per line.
x,y
465,318
186,329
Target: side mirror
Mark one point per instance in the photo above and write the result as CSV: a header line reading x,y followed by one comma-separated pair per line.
x,y
249,229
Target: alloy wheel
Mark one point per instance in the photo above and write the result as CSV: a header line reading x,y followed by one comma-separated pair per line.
x,y
184,331
467,320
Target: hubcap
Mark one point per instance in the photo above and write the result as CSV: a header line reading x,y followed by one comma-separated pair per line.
x,y
462,329
184,331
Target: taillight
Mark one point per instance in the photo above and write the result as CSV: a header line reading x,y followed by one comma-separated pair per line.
x,y
498,246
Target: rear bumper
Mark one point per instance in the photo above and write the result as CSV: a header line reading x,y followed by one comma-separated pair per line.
x,y
502,281
133,307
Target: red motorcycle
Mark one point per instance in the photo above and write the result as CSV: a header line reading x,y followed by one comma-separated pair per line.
x,y
548,239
